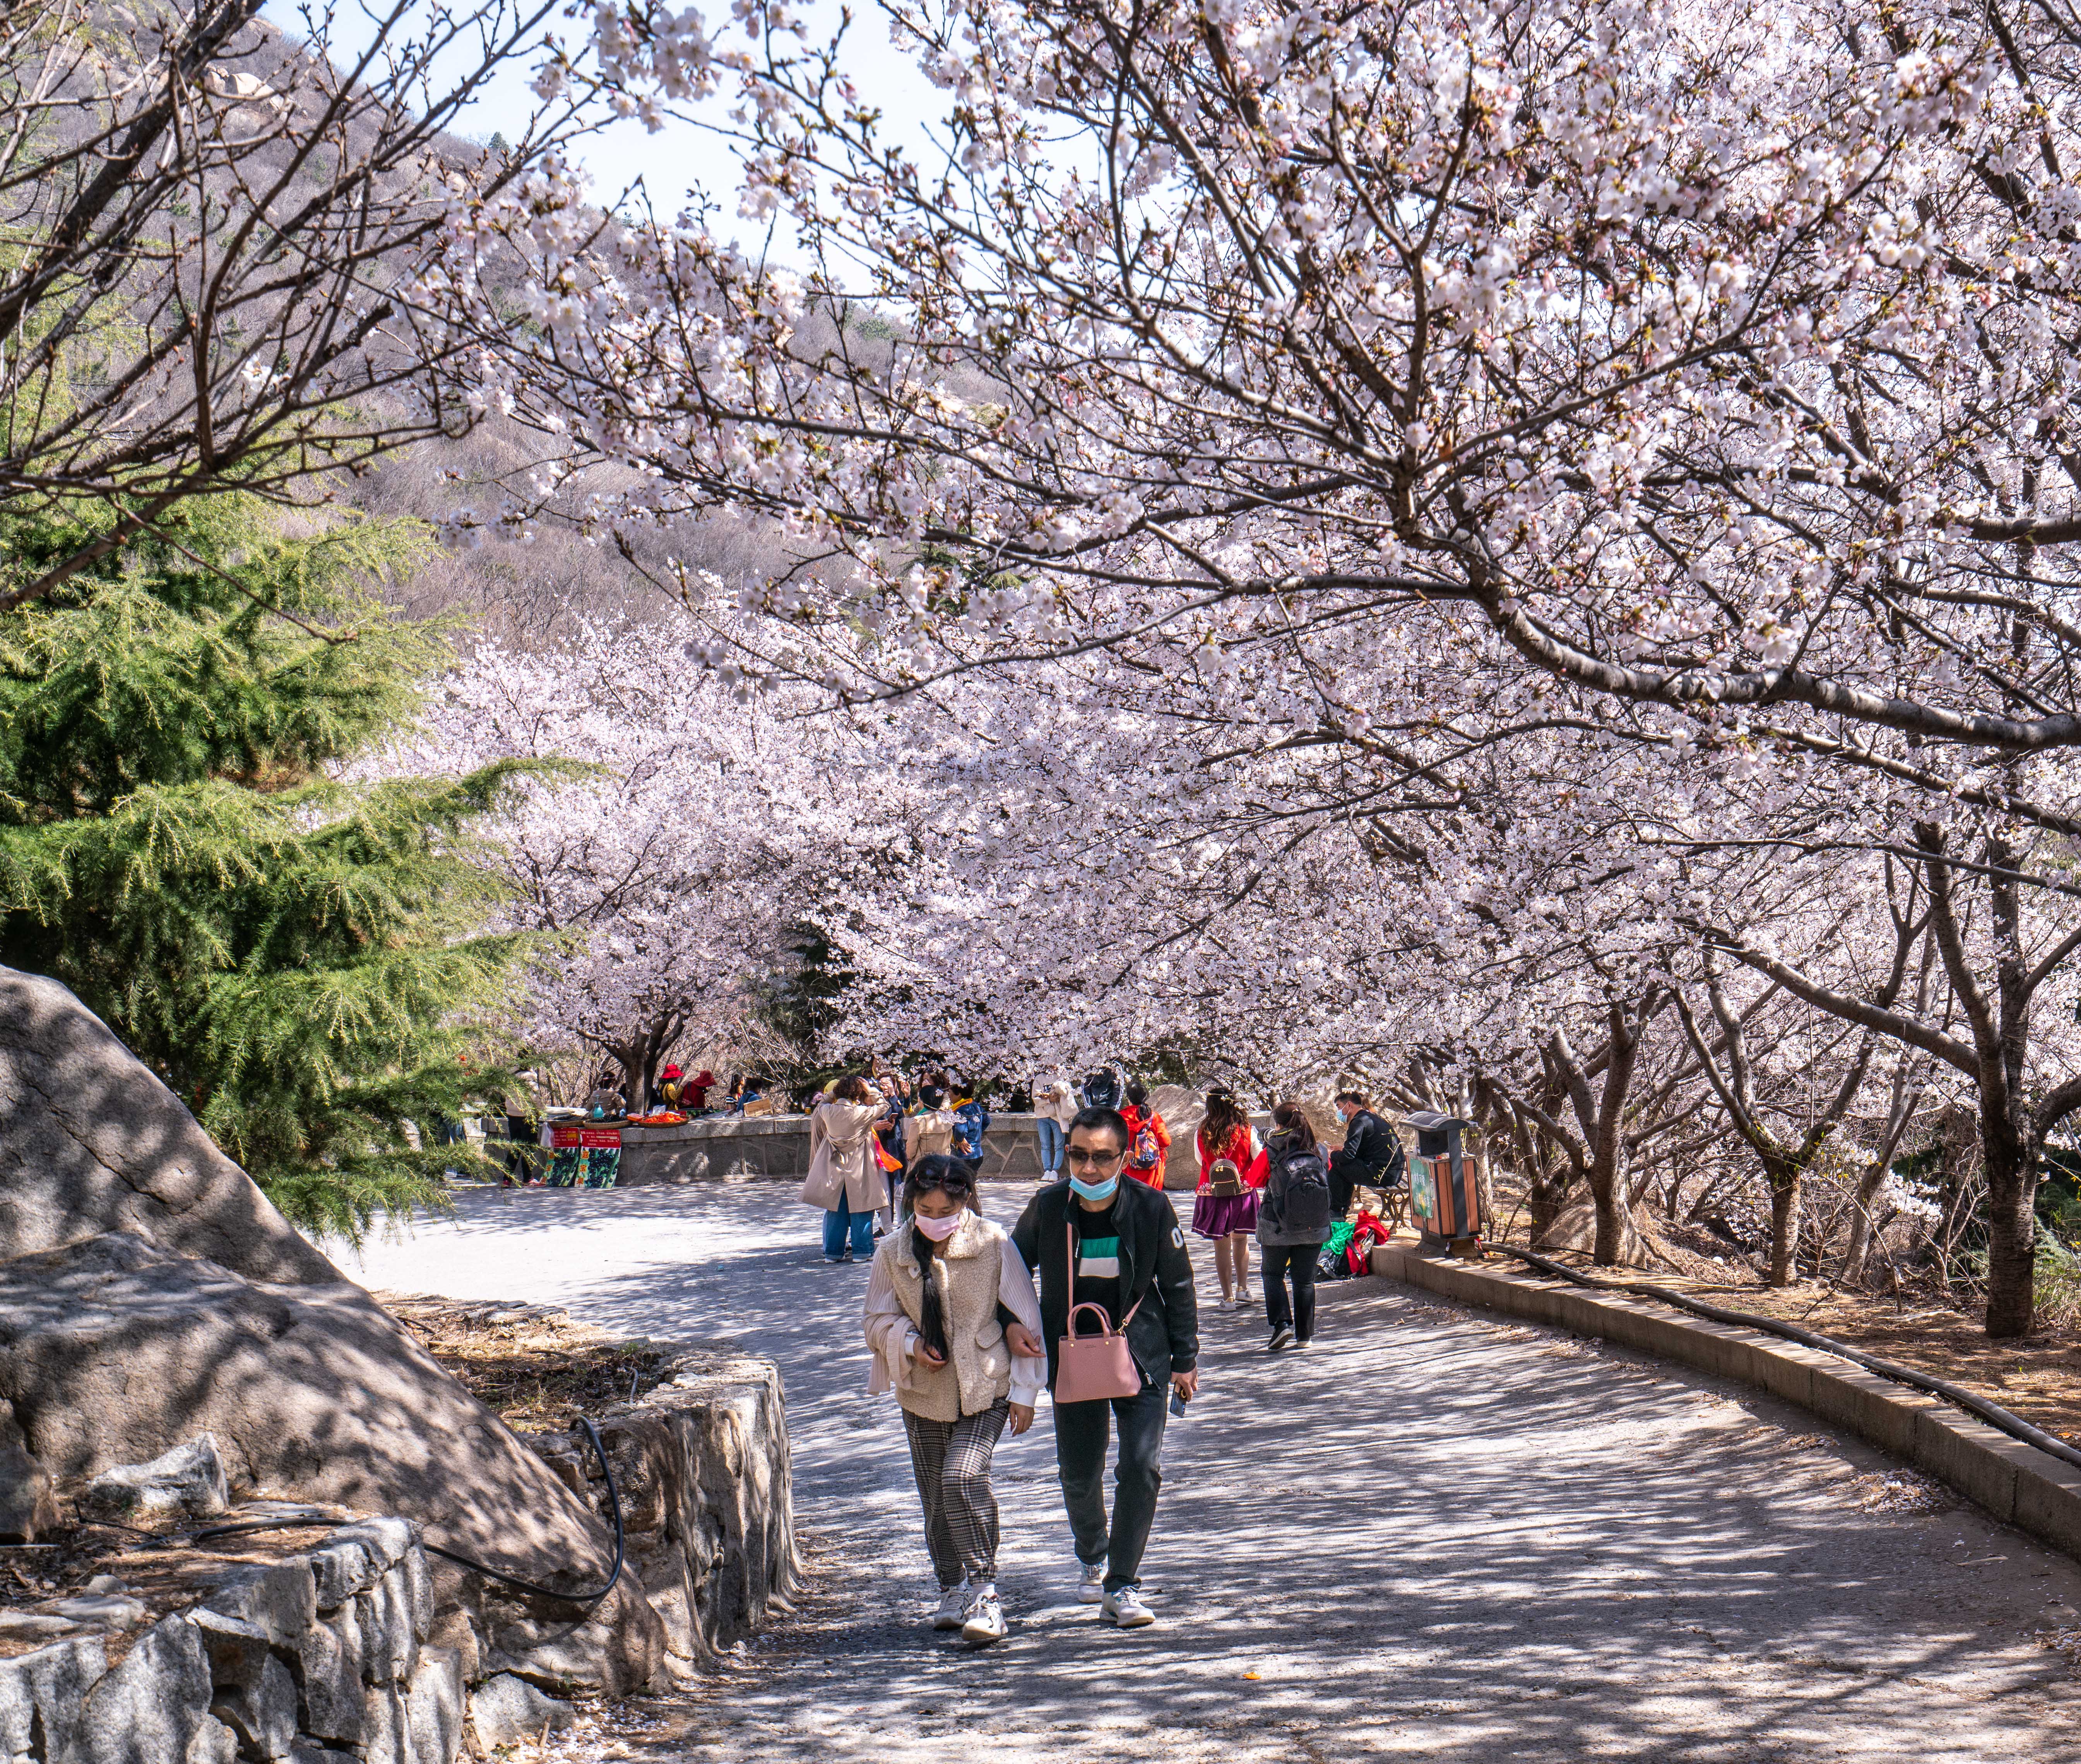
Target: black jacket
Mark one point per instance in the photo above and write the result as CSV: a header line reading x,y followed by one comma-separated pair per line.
x,y
1370,1143
1154,1269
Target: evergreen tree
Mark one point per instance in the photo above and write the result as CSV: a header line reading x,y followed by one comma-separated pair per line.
x,y
183,842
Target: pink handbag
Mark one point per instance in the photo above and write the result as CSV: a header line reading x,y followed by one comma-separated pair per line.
x,y
1091,1368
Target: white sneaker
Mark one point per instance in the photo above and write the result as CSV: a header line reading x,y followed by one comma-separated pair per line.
x,y
953,1607
1245,1296
1091,1582
984,1619
1125,1610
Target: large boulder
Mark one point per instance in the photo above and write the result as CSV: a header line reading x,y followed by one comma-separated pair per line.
x,y
112,1347
150,1294
1575,1227
90,1141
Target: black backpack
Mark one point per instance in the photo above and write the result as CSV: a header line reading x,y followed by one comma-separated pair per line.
x,y
1299,1192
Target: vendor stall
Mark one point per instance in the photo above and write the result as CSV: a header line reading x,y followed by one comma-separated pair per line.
x,y
584,1154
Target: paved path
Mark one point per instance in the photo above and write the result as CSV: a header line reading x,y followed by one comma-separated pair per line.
x,y
1439,1537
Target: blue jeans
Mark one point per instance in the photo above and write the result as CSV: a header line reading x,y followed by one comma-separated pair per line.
x,y
836,1224
1051,1143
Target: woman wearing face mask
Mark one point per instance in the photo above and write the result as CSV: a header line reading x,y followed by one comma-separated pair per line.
x,y
941,1283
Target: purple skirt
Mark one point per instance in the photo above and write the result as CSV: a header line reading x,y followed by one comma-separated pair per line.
x,y
1218,1216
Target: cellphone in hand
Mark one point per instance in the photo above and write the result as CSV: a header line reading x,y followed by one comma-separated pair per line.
x,y
1177,1400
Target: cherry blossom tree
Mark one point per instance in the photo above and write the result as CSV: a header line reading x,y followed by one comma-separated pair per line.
x,y
692,832
1384,423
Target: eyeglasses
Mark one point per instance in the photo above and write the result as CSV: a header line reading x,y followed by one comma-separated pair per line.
x,y
1079,1155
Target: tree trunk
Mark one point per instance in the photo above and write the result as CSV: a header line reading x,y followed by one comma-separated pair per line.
x,y
1784,1187
1544,1199
1861,1222
1609,1249
2012,1233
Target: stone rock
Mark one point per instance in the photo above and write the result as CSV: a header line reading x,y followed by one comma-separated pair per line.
x,y
434,1708
416,1587
101,1611
504,1709
28,1500
237,1650
263,1713
42,1695
279,1601
190,1479
255,1694
384,1737
309,1752
91,1142
339,1570
214,1743
389,1649
328,1674
151,1709
314,1393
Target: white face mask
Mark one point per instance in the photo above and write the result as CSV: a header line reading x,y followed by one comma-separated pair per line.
x,y
939,1230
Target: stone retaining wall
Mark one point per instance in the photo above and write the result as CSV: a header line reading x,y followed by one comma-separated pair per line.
x,y
364,1651
706,1482
315,1658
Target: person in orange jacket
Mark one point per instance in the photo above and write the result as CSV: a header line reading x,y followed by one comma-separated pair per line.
x,y
1138,1115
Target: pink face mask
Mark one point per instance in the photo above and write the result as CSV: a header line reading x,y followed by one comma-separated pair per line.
x,y
939,1230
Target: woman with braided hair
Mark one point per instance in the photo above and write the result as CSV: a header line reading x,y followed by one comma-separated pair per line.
x,y
955,1330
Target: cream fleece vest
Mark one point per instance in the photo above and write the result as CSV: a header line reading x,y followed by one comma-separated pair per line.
x,y
967,1269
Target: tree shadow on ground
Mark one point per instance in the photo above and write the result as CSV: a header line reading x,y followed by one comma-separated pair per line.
x,y
1437,1535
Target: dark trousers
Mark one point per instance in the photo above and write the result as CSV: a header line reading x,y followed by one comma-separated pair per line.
x,y
1081,1433
1276,1261
1346,1174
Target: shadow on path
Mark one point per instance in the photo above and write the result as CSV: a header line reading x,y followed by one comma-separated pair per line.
x,y
1436,1535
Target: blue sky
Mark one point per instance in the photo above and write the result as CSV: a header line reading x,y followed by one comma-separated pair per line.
x,y
683,155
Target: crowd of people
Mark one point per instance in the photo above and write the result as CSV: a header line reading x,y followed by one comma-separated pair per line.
x,y
1092,1295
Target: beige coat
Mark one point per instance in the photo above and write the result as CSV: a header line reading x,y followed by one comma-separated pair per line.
x,y
928,1132
976,1269
840,1160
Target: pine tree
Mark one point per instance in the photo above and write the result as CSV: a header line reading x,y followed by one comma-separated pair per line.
x,y
302,957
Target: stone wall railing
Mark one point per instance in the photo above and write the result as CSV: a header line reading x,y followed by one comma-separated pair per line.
x,y
716,1147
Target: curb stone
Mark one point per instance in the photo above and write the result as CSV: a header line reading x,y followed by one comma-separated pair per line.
x,y
2013,1482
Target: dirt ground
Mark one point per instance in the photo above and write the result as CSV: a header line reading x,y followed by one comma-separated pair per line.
x,y
532,1364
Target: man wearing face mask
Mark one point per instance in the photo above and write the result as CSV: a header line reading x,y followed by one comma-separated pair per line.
x,y
1095,1240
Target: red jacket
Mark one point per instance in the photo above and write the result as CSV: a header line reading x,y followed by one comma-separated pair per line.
x,y
1245,1150
1135,1119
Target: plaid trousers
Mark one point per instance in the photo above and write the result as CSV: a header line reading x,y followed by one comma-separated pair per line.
x,y
951,1459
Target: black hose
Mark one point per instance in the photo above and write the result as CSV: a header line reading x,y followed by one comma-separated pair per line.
x,y
1993,1413
296,1521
